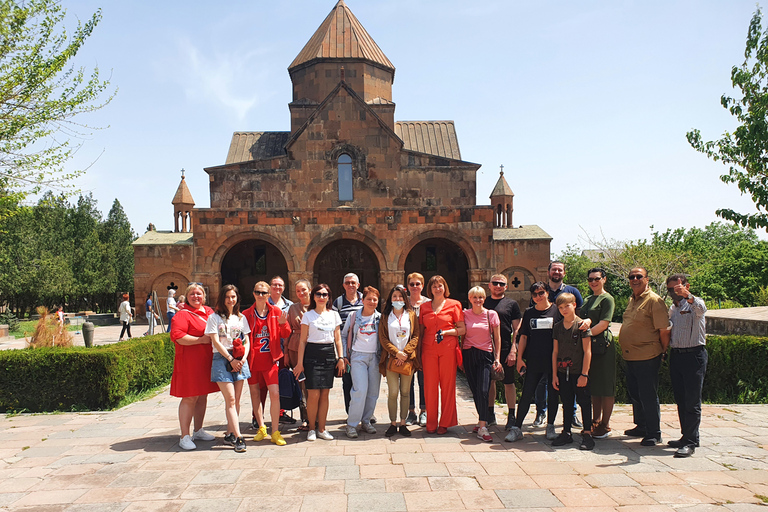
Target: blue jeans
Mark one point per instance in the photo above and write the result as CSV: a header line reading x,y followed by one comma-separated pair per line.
x,y
366,379
643,390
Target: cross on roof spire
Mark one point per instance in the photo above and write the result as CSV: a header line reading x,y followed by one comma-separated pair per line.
x,y
501,171
182,173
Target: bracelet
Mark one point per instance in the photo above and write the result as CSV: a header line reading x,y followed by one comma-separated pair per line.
x,y
585,375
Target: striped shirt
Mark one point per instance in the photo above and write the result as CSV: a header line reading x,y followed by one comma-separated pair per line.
x,y
688,325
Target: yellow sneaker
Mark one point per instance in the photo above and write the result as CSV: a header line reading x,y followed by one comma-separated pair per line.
x,y
278,439
261,434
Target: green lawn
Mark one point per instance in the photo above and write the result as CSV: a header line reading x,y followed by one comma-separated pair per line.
x,y
27,327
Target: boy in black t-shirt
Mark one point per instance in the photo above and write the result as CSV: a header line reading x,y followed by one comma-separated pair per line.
x,y
571,358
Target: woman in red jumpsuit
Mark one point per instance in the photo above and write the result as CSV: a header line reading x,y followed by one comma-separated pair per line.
x,y
442,322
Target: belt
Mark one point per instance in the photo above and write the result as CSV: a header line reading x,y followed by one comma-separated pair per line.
x,y
687,350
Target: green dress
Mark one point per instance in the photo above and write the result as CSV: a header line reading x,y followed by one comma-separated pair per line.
x,y
602,371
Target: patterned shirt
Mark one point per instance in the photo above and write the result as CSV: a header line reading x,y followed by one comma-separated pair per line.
x,y
688,325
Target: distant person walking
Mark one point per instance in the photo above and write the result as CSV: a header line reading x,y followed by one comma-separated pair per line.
x,y
170,302
126,316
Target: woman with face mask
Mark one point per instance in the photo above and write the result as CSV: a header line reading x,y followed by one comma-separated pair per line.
x,y
399,338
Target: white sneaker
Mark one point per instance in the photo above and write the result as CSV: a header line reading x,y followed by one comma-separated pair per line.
x,y
186,443
515,434
369,428
311,436
351,432
202,435
325,435
551,434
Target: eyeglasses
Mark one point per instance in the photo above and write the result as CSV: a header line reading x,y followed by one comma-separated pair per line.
x,y
671,290
414,285
593,279
321,295
260,294
539,294
634,277
350,283
498,283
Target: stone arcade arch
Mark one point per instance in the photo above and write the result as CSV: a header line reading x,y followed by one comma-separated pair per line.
x,y
441,256
249,262
340,257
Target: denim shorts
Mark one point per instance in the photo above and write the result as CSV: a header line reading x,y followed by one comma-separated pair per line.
x,y
219,372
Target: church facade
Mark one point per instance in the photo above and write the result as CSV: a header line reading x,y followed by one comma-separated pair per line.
x,y
347,189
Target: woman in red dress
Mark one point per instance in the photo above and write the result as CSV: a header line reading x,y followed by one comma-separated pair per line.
x,y
442,322
191,380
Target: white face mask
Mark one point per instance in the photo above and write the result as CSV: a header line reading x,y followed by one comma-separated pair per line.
x,y
398,304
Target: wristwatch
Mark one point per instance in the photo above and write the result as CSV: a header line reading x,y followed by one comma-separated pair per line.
x,y
689,297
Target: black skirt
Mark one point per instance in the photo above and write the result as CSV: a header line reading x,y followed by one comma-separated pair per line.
x,y
319,365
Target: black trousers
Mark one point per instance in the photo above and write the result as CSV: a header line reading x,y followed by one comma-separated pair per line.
x,y
570,392
686,369
477,368
126,327
643,390
531,380
346,385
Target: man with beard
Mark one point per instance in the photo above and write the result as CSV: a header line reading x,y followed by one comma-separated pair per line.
x,y
555,286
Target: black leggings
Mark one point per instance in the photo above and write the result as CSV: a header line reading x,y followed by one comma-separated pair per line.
x,y
569,392
126,326
532,378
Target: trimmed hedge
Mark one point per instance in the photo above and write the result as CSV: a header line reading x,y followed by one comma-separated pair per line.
x,y
79,378
737,373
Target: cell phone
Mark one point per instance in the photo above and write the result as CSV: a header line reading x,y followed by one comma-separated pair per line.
x,y
523,370
302,377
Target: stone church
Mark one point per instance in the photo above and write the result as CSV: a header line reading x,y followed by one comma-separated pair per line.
x,y
347,189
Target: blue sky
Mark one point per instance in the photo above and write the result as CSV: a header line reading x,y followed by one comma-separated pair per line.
x,y
586,104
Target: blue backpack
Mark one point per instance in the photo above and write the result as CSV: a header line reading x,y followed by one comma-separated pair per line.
x,y
290,392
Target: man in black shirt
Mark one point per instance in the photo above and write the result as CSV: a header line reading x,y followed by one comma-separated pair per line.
x,y
509,316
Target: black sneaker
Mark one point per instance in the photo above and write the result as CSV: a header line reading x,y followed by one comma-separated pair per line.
x,y
635,432
240,445
587,443
404,431
563,439
539,421
411,418
372,421
230,439
254,424
284,418
650,441
392,430
576,423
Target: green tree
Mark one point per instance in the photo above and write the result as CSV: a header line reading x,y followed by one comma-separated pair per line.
x,y
744,151
116,234
41,94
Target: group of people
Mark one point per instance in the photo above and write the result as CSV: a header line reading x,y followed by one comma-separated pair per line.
x,y
561,346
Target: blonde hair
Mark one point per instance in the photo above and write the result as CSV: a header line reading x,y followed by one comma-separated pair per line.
x,y
565,298
195,286
477,291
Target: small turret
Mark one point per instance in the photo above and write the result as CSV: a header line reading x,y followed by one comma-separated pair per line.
x,y
182,208
501,200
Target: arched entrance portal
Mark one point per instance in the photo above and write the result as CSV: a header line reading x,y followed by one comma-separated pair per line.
x,y
440,256
342,257
249,262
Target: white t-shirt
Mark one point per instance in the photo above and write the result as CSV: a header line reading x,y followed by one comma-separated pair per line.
x,y
365,337
171,303
399,330
321,327
234,327
125,311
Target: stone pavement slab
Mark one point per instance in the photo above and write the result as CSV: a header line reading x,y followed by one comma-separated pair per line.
x,y
129,460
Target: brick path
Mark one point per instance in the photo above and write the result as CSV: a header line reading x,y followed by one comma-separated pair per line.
x,y
129,460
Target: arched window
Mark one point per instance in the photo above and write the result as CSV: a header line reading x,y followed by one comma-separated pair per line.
x,y
345,177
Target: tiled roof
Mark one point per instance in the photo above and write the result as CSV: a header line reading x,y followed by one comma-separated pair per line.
x,y
531,232
341,36
502,188
247,146
431,137
164,238
183,195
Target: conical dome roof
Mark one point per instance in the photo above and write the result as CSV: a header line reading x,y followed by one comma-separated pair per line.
x,y
341,36
502,188
183,195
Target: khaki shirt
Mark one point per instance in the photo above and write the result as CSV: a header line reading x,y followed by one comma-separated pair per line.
x,y
644,317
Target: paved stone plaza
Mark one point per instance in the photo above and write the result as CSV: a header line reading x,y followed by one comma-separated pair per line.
x,y
129,460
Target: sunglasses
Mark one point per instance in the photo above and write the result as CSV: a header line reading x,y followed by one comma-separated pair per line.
x,y
635,277
350,283
321,295
498,283
414,284
593,279
260,294
539,294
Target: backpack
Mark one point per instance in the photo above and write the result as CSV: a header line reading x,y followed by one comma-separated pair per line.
x,y
290,392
